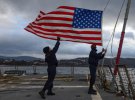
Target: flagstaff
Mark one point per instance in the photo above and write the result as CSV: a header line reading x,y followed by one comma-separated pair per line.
x,y
122,37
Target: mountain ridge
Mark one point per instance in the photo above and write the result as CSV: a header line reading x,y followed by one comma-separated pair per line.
x,y
18,58
74,62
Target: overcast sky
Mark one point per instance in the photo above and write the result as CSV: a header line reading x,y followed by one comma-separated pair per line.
x,y
16,14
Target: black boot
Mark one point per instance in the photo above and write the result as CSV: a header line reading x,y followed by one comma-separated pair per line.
x,y
50,93
42,94
92,91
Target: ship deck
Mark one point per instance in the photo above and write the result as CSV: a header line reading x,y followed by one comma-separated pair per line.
x,y
66,88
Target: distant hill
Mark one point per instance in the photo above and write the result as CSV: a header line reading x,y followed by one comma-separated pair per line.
x,y
130,62
18,58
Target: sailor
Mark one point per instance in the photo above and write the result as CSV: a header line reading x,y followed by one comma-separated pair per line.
x,y
94,57
51,60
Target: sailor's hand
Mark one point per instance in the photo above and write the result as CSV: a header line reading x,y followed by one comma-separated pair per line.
x,y
58,38
103,49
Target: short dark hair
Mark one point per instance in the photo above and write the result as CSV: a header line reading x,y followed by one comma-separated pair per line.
x,y
46,49
93,46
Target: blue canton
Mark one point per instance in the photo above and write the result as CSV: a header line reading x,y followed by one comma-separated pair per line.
x,y
84,18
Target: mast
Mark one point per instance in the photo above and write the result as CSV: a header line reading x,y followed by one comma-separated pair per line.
x,y
122,37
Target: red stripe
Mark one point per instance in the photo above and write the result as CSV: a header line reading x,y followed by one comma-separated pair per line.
x,y
54,24
69,40
56,36
37,30
67,31
43,13
64,40
61,13
56,18
37,19
67,7
40,15
68,36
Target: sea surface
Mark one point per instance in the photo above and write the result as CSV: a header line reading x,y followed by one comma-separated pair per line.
x,y
43,69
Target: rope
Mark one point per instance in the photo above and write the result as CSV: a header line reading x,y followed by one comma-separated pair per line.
x,y
103,58
115,28
112,36
106,5
104,11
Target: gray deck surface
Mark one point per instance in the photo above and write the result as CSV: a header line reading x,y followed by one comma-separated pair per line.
x,y
65,89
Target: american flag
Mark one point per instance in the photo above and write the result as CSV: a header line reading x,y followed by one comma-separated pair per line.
x,y
69,23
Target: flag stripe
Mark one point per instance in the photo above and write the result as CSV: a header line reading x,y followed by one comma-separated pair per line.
x,y
71,28
42,13
69,23
65,35
66,7
69,39
55,38
64,10
68,31
55,24
56,18
64,39
54,21
61,13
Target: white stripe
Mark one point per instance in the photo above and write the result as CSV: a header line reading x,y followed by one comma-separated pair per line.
x,y
87,29
70,34
64,39
57,15
69,39
40,14
29,29
53,21
65,10
69,28
73,34
66,28
56,27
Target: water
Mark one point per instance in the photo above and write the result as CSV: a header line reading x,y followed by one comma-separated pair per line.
x,y
43,69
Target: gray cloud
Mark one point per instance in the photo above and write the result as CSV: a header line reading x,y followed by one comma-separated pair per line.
x,y
128,35
15,41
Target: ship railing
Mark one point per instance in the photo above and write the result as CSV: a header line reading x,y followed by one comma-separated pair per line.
x,y
107,80
123,83
127,80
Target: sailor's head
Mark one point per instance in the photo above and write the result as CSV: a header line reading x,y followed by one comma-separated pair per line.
x,y
93,47
46,49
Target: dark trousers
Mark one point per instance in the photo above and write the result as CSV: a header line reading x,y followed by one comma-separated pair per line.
x,y
93,75
49,83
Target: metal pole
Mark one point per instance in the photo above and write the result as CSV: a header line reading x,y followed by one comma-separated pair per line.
x,y
122,37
